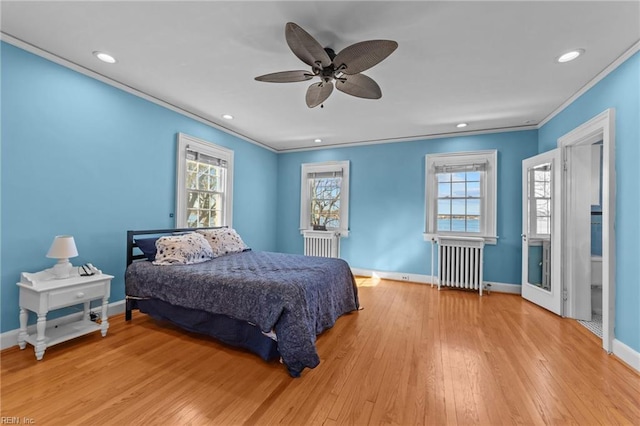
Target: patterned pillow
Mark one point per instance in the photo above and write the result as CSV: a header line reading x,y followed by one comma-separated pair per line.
x,y
223,241
182,249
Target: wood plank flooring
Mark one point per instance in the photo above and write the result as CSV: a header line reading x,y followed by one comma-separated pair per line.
x,y
413,356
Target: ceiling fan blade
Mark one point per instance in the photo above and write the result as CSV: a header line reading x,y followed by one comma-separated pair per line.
x,y
359,85
318,93
305,47
362,56
286,77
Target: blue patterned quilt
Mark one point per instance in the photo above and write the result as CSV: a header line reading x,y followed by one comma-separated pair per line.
x,y
297,296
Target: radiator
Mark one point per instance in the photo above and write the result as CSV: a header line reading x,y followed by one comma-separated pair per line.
x,y
321,243
460,262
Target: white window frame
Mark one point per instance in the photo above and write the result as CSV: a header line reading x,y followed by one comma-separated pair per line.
x,y
488,191
210,149
305,200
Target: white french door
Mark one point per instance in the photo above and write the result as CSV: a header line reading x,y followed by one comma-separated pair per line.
x,y
541,269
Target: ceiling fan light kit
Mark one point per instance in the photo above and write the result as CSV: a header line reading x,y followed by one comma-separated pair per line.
x,y
342,70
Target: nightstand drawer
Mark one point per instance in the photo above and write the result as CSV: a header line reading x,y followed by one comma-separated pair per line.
x,y
78,294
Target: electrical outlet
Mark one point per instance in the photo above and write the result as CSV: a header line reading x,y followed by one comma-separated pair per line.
x,y
405,277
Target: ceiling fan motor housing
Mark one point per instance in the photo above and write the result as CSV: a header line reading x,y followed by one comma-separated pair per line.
x,y
330,52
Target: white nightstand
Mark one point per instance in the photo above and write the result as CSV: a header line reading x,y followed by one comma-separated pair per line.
x,y
40,293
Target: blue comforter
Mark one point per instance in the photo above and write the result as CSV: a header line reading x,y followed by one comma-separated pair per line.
x,y
297,296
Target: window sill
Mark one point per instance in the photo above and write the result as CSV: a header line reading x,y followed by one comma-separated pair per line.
x,y
487,239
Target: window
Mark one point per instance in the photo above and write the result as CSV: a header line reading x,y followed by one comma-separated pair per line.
x,y
461,194
204,183
458,200
325,196
540,200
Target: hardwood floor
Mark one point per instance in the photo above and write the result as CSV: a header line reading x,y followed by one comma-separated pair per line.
x,y
414,355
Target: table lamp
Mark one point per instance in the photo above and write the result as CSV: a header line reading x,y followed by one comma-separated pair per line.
x,y
62,248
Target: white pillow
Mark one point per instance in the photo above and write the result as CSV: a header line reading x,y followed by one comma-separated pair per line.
x,y
182,249
223,241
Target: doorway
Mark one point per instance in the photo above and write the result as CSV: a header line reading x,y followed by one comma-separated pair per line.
x,y
577,150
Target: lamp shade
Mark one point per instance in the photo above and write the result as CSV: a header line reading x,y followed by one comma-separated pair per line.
x,y
63,247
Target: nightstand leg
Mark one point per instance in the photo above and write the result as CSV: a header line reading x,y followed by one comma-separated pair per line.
x,y
104,325
86,312
41,326
23,328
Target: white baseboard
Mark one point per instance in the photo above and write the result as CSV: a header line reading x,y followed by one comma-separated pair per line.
x,y
397,276
626,354
503,287
10,338
428,279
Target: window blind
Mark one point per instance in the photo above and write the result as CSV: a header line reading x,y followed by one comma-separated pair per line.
x,y
460,168
325,175
205,159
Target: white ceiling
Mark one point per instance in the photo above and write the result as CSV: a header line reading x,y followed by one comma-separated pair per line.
x,y
490,64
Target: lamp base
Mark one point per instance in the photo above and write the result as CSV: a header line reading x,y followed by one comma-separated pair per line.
x,y
62,269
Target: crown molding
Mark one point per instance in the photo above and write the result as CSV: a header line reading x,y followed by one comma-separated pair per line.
x,y
605,72
80,69
118,85
414,138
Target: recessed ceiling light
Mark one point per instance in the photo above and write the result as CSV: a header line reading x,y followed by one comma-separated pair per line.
x,y
227,116
461,125
105,57
317,140
570,56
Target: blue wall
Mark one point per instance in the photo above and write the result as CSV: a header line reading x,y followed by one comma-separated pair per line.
x,y
386,205
81,157
619,90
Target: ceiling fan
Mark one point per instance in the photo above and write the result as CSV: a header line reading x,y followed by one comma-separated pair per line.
x,y
344,69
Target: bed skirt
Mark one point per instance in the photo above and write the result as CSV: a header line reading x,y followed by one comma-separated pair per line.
x,y
224,328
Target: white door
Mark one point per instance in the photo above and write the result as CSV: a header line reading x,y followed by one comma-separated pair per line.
x,y
577,231
541,272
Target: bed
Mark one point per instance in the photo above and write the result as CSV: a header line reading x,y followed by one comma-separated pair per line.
x,y
272,304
